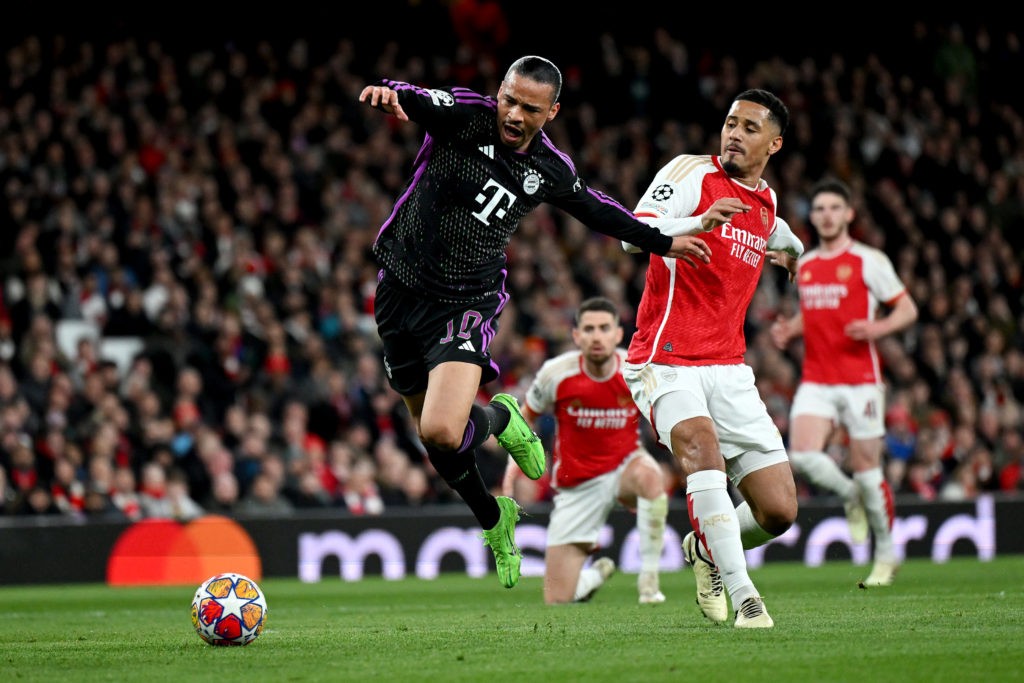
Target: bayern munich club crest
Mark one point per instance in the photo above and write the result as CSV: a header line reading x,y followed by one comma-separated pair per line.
x,y
531,183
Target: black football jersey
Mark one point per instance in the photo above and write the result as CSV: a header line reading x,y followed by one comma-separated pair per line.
x,y
447,235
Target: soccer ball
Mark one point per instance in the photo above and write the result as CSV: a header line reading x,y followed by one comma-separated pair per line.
x,y
229,609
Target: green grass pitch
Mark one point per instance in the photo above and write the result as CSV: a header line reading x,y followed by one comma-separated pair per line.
x,y
958,621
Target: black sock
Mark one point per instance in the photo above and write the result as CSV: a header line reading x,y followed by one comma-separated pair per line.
x,y
479,428
459,470
499,417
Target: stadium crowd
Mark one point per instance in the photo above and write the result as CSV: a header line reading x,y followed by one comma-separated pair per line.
x,y
187,286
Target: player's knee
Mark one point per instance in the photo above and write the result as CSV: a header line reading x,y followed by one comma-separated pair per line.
x,y
695,441
779,518
443,437
649,482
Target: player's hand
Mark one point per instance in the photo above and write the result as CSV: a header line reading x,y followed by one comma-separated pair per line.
x,y
862,330
385,99
721,212
781,332
690,249
784,259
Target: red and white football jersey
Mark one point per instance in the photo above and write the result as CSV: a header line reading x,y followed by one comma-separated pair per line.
x,y
598,423
836,289
695,316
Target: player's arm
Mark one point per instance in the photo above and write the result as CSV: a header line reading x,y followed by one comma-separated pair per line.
x,y
784,330
435,108
602,213
902,314
385,98
670,201
883,282
784,248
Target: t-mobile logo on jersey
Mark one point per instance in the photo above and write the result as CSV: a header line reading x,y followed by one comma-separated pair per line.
x,y
495,205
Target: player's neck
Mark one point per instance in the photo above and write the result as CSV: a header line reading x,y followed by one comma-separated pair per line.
x,y
603,370
837,243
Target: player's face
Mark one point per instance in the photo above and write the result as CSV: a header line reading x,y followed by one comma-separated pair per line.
x,y
597,335
524,106
830,216
749,138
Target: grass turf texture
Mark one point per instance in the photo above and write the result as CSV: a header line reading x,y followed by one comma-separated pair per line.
x,y
962,620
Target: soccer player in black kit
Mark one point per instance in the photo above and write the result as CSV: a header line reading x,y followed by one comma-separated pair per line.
x,y
484,164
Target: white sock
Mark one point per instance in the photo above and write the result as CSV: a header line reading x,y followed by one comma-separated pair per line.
x,y
589,579
714,519
822,471
650,523
751,533
878,502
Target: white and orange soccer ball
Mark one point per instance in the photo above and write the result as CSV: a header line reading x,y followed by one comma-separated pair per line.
x,y
229,609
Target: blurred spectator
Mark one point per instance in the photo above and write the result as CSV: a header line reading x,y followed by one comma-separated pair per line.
x,y
36,501
166,495
216,205
8,497
360,491
67,490
124,496
264,499
224,494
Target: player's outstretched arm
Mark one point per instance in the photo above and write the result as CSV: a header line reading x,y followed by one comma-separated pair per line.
x,y
383,98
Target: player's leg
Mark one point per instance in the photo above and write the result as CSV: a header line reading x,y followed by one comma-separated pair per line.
x,y
577,515
451,428
812,419
714,550
769,495
808,434
642,487
879,504
438,382
563,565
765,480
865,422
759,468
673,399
450,436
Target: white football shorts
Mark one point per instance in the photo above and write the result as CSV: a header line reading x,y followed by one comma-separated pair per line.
x,y
580,511
858,407
727,394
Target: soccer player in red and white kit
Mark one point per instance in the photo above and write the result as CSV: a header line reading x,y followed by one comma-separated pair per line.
x,y
686,367
842,283
598,460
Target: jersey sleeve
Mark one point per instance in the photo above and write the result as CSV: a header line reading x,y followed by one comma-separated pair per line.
x,y
881,278
670,200
600,212
437,109
540,397
784,239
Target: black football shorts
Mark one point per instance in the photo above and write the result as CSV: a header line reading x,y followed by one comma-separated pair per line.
x,y
419,334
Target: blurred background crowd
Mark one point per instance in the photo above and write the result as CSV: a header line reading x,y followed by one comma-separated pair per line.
x,y
187,285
